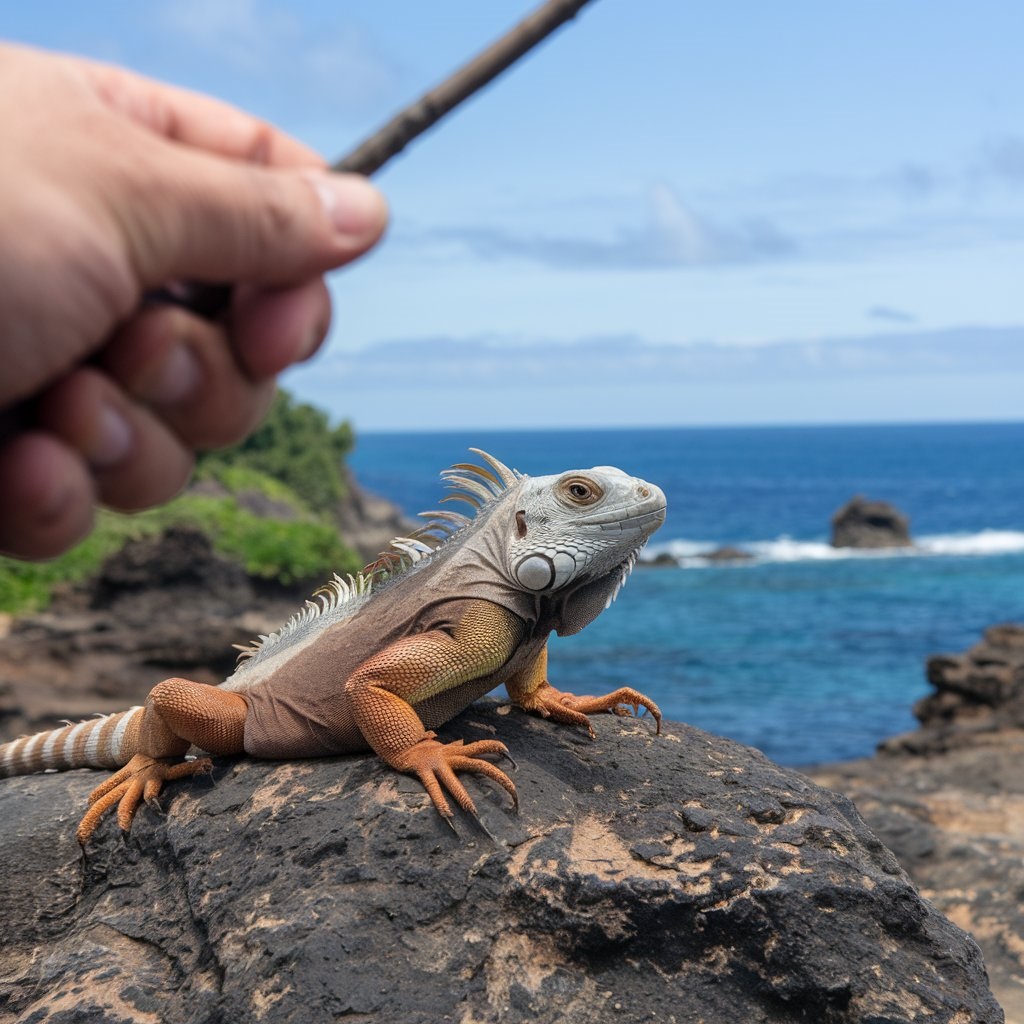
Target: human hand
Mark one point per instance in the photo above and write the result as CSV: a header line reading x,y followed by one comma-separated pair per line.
x,y
112,185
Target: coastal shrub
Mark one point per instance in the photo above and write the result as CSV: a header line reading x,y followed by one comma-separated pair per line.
x,y
239,478
292,551
295,458
296,445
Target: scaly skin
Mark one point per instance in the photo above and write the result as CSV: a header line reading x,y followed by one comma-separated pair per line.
x,y
378,671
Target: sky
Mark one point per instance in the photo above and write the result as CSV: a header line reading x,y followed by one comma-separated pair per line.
x,y
670,213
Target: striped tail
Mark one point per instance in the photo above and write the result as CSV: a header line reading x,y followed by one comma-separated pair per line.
x,y
104,742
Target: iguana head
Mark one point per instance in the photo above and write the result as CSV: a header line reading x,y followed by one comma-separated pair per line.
x,y
580,525
568,542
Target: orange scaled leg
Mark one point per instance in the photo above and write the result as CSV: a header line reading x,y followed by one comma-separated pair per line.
x,y
179,713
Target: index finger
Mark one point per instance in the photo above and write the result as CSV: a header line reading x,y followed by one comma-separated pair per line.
x,y
196,119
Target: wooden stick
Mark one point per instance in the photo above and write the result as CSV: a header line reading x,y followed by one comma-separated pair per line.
x,y
416,118
211,301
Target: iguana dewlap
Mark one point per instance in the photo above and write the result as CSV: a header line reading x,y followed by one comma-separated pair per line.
x,y
383,658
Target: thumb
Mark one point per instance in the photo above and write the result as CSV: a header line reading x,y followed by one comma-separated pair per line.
x,y
203,217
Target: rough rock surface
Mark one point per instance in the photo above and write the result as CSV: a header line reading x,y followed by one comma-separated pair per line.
x,y
979,691
367,521
161,606
862,523
728,554
948,799
956,822
680,878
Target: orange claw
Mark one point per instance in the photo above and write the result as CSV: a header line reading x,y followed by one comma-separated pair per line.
x,y
572,710
436,763
141,778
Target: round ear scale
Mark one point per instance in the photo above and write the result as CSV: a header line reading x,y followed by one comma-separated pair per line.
x,y
538,571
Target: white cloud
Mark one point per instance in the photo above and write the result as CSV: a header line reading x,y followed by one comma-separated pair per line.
x,y
671,235
481,361
337,65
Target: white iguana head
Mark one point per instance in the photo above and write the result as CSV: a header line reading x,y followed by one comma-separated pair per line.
x,y
565,542
580,525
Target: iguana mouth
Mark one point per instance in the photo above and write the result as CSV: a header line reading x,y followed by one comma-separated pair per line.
x,y
612,520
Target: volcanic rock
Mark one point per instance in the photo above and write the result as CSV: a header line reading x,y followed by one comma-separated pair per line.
x,y
367,521
161,606
948,799
728,554
979,691
673,878
862,523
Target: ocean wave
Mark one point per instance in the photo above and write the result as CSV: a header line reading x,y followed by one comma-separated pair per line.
x,y
699,554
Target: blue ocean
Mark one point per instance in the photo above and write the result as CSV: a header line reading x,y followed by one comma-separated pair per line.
x,y
809,653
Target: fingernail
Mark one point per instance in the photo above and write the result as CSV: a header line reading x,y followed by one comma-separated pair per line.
x,y
176,380
353,204
113,440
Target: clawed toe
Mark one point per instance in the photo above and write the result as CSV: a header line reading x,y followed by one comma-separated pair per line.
x,y
624,702
140,779
572,710
435,764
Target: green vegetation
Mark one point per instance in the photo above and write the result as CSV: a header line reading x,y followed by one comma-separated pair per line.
x,y
293,459
295,445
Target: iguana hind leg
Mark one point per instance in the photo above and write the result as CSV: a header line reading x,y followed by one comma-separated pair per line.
x,y
532,692
178,714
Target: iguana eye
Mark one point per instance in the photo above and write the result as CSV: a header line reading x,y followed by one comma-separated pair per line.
x,y
578,490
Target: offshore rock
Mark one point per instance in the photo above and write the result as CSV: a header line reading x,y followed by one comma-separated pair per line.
x,y
728,554
862,523
673,878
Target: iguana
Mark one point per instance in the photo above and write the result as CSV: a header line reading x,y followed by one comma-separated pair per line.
x,y
381,659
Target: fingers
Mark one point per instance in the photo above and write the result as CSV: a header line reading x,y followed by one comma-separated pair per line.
x,y
123,433
48,496
135,458
219,220
274,328
201,191
212,390
184,373
195,119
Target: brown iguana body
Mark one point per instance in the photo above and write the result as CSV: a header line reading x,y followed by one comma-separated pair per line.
x,y
389,656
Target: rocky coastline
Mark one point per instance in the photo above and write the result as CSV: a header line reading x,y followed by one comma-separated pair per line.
x,y
948,800
645,879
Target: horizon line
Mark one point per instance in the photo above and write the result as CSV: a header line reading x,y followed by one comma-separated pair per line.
x,y
625,428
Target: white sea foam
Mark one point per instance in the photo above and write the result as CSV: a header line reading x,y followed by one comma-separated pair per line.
x,y
695,554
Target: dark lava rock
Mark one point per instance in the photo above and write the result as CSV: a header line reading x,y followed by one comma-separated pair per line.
x,y
862,523
979,691
367,521
674,878
954,820
178,562
161,606
728,554
662,560
948,800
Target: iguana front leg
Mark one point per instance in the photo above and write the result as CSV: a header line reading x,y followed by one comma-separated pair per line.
x,y
178,714
385,690
531,691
